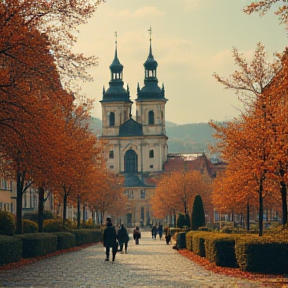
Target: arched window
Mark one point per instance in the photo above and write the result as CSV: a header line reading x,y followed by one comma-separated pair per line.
x,y
151,117
111,119
130,161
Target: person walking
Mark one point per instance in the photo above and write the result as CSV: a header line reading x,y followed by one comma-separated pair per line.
x,y
110,240
154,232
160,231
123,238
136,235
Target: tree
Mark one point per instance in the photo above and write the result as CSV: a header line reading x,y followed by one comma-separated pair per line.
x,y
251,133
198,215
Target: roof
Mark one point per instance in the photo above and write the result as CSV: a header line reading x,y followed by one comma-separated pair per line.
x,y
130,128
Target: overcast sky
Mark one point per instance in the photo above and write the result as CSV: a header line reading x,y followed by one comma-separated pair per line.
x,y
191,39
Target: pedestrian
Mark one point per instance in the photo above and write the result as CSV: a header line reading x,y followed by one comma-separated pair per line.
x,y
167,236
110,240
154,232
136,235
160,231
123,238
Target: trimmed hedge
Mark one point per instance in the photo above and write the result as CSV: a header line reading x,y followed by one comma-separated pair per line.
x,y
181,240
87,236
65,240
262,254
198,243
38,244
10,249
220,249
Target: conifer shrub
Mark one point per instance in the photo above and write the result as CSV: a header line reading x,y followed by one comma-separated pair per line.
x,y
29,226
7,223
198,215
183,220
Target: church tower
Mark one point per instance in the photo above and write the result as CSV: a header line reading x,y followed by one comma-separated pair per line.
x,y
150,108
116,103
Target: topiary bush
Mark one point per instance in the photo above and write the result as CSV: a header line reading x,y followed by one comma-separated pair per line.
x,y
198,215
29,226
183,220
7,223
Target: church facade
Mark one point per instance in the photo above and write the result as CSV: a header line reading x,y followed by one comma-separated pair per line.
x,y
135,148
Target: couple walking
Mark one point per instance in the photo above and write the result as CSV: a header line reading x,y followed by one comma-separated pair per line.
x,y
111,239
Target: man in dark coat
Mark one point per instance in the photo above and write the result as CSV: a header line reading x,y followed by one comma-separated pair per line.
x,y
110,240
123,238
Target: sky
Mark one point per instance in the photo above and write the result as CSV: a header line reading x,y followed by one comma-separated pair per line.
x,y
191,39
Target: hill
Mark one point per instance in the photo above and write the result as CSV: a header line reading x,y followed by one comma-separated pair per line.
x,y
190,138
187,138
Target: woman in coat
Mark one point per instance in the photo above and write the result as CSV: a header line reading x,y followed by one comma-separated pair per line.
x,y
136,235
123,238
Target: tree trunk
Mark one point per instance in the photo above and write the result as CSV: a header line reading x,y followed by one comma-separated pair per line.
x,y
248,217
261,208
78,212
19,203
40,209
284,202
84,211
64,208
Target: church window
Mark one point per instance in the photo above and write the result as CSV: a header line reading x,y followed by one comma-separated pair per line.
x,y
143,194
151,154
111,154
111,116
130,161
151,117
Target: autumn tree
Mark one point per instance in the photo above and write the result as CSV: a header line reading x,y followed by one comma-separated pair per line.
x,y
257,125
176,191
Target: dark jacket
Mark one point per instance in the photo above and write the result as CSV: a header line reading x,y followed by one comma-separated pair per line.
x,y
123,235
136,233
110,236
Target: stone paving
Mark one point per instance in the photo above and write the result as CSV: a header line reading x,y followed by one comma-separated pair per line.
x,y
153,263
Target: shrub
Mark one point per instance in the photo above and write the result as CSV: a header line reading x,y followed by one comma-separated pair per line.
x,y
183,220
220,249
87,236
38,244
10,249
33,216
198,215
53,225
89,224
65,240
262,255
29,226
181,240
7,223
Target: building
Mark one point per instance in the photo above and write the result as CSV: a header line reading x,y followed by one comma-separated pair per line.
x,y
136,148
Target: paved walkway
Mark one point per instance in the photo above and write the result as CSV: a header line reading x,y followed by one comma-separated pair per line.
x,y
150,264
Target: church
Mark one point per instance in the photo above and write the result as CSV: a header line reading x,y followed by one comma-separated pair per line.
x,y
136,148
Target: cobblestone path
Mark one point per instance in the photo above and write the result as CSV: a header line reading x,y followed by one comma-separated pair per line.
x,y
153,263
